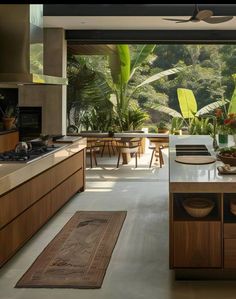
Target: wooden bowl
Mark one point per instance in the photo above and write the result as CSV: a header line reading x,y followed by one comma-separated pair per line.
x,y
198,207
227,160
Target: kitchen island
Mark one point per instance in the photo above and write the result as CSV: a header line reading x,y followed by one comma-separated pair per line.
x,y
30,193
201,247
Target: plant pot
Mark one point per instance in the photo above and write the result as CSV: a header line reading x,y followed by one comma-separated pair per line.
x,y
8,122
165,131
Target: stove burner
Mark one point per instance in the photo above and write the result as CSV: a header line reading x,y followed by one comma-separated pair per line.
x,y
30,155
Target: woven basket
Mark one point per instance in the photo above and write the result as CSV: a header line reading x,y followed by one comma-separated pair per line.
x,y
227,160
198,207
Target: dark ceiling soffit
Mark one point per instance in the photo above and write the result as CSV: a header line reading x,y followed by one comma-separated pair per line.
x,y
134,9
149,36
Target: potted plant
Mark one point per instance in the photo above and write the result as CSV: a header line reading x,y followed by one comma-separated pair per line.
x,y
162,127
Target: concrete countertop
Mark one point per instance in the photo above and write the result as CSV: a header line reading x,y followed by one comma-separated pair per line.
x,y
13,174
185,173
124,135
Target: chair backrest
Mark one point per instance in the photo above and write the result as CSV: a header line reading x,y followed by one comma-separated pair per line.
x,y
131,145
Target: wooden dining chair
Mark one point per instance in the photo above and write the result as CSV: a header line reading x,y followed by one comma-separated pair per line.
x,y
140,145
94,146
128,146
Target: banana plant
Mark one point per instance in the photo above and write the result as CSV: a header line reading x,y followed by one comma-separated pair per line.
x,y
188,106
232,105
122,71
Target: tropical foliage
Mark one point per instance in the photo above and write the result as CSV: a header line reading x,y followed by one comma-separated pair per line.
x,y
122,71
131,77
189,113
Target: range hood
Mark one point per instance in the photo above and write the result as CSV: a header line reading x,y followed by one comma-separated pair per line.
x,y
22,47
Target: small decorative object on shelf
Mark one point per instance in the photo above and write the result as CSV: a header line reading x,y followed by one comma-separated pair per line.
x,y
223,138
8,116
198,207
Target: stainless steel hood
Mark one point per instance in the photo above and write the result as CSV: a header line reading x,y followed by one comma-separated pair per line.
x,y
22,47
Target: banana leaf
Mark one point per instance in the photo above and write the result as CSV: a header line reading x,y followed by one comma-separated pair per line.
x,y
211,107
141,56
160,75
120,65
187,102
124,55
232,105
166,110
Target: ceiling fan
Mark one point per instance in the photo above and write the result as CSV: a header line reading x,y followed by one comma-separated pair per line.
x,y
202,15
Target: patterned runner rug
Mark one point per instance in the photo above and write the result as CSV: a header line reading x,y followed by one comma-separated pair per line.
x,y
79,254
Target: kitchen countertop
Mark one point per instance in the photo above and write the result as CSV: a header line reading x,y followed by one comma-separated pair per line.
x,y
179,174
125,135
13,174
68,139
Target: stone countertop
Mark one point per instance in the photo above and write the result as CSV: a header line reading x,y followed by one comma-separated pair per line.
x,y
13,174
185,173
124,135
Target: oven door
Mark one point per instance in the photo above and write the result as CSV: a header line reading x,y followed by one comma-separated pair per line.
x,y
30,122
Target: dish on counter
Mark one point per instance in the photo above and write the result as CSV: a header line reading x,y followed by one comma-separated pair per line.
x,y
227,169
195,160
227,155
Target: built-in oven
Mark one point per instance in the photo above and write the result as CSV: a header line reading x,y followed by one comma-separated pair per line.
x,y
29,122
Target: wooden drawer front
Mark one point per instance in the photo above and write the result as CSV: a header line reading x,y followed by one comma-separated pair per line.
x,y
230,253
62,193
16,201
67,168
197,244
23,227
230,230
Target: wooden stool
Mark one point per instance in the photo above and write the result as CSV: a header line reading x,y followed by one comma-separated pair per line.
x,y
157,150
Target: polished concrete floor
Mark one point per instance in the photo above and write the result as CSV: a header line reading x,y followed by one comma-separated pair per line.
x,y
139,264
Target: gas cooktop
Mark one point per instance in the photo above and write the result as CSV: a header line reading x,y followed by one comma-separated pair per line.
x,y
192,150
29,156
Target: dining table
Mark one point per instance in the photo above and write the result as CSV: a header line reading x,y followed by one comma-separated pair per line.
x,y
157,138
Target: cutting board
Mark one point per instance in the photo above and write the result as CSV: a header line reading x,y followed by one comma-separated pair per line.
x,y
195,160
68,139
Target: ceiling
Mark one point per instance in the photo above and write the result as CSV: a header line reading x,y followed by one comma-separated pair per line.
x,y
133,16
139,23
131,23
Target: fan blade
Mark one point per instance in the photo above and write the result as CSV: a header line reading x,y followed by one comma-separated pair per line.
x,y
215,20
204,14
176,20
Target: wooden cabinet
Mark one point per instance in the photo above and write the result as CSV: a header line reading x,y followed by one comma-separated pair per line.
x,y
203,243
26,208
197,244
229,233
8,141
